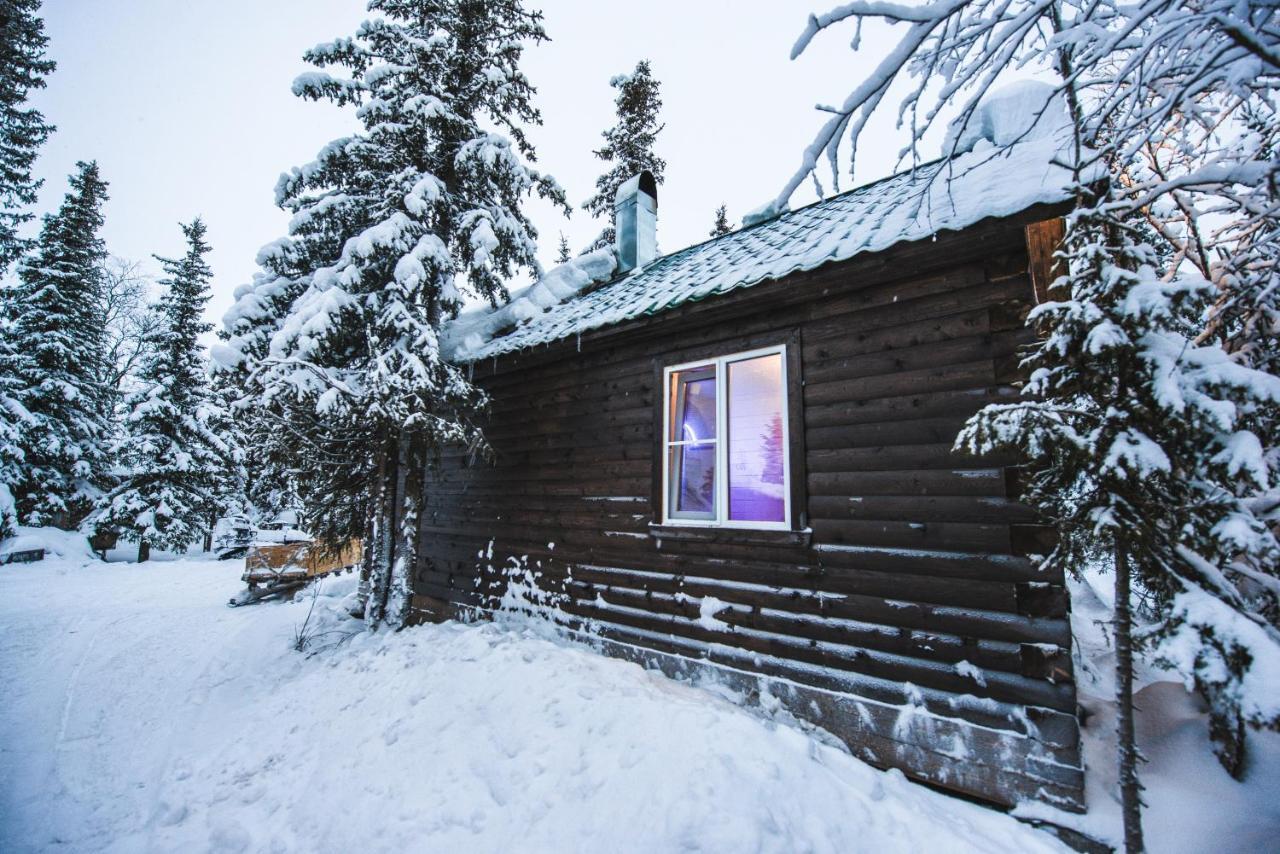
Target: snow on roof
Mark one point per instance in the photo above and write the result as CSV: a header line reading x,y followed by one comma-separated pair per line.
x,y
911,205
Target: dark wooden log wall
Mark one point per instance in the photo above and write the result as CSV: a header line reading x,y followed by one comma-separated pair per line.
x,y
909,620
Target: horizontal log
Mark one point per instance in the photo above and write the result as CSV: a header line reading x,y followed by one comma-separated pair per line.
x,y
924,309
988,482
947,536
956,403
925,508
923,431
841,657
898,457
952,351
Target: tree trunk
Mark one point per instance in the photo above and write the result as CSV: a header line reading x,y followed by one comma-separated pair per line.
x,y
380,557
366,560
208,534
385,537
1130,788
144,551
409,493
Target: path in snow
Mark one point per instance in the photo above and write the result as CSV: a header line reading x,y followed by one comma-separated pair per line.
x,y
141,714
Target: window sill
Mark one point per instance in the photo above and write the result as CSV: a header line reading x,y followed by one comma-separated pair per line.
x,y
729,536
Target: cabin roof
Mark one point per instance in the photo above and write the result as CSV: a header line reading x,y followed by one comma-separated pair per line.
x,y
910,205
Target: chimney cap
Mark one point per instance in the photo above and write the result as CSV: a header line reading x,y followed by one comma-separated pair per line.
x,y
641,183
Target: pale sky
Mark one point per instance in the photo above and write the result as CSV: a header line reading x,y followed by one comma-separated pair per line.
x,y
187,109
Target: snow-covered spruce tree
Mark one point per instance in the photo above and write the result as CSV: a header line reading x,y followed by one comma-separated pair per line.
x,y
23,67
230,425
57,333
722,226
1130,433
563,254
1178,76
22,131
338,337
628,145
172,462
14,422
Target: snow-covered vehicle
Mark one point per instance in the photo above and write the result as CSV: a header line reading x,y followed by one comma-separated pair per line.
x,y
232,536
276,568
285,527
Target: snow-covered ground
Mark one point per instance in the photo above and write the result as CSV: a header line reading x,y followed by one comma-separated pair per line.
x,y
142,714
139,713
1192,805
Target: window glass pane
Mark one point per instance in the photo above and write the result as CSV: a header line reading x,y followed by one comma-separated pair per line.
x,y
757,487
693,480
693,405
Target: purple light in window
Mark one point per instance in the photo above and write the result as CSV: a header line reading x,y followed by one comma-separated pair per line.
x,y
693,420
695,469
757,481
698,421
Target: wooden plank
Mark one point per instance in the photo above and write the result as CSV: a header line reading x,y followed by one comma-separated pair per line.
x,y
1044,238
989,482
932,508
899,457
900,358
906,407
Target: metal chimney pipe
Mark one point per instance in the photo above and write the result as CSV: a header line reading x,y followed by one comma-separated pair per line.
x,y
635,208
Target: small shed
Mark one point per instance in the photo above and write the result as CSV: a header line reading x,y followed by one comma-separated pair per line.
x,y
735,462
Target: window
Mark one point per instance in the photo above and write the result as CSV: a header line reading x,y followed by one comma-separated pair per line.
x,y
726,443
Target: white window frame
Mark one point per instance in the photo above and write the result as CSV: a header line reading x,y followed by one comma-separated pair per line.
x,y
721,499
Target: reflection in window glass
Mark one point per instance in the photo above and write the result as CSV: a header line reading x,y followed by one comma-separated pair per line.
x,y
757,482
726,442
693,479
692,436
693,414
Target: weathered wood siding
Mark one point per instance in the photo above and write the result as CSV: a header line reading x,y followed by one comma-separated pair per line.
x,y
917,557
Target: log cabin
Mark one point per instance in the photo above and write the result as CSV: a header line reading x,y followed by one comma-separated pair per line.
x,y
734,463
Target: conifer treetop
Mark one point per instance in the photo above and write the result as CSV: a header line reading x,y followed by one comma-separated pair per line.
x,y
722,226
23,129
336,341
628,145
392,224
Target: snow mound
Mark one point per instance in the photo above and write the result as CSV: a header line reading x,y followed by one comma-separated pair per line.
x,y
472,330
68,545
1192,804
1022,111
147,716
769,210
